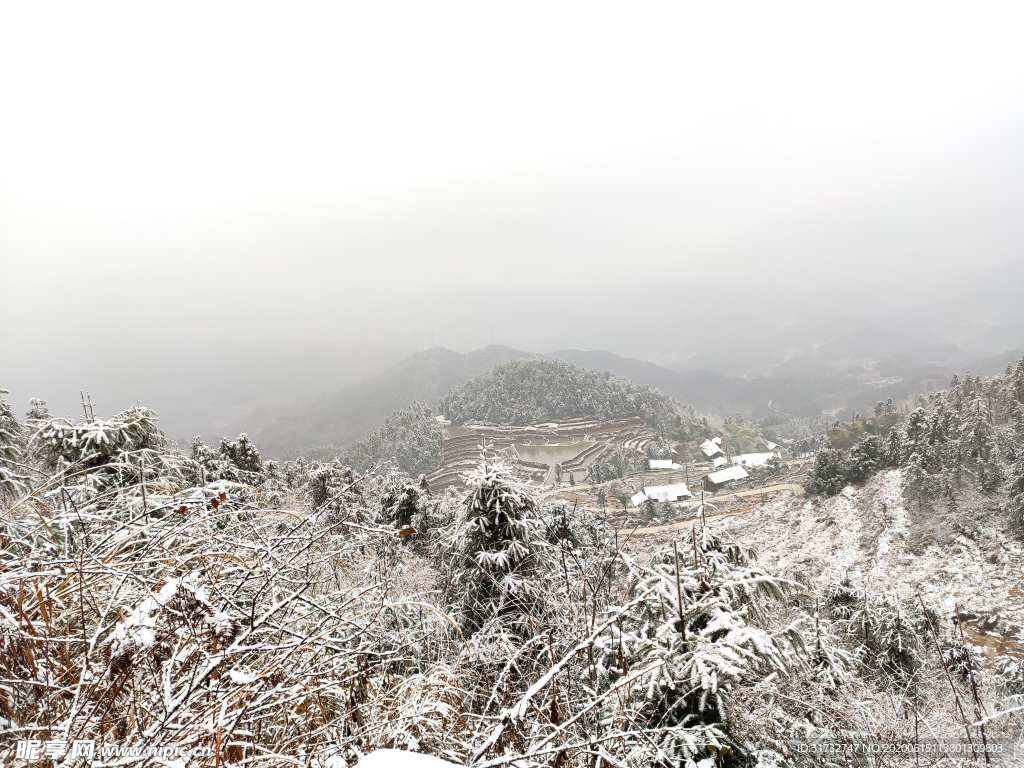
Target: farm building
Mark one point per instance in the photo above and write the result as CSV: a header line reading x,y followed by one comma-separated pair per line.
x,y
673,492
663,464
754,459
721,461
638,498
717,480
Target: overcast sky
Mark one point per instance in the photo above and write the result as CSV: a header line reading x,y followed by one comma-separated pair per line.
x,y
161,163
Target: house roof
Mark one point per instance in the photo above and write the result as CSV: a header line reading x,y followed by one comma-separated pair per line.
x,y
735,472
638,498
667,492
663,464
710,448
753,459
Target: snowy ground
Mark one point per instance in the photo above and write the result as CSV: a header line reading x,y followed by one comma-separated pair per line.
x,y
964,555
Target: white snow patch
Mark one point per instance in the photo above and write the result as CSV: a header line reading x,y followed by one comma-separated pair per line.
x,y
398,758
240,678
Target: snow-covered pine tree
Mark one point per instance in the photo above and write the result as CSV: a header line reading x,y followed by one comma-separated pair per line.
x,y
38,413
649,509
242,453
237,461
97,444
1016,486
832,664
828,475
494,557
325,481
400,500
711,623
12,481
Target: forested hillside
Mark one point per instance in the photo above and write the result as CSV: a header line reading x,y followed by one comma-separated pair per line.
x,y
410,435
968,436
527,391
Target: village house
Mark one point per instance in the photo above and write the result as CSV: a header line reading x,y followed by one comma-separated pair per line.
x,y
718,480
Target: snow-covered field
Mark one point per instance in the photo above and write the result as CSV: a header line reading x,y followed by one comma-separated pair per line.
x,y
962,557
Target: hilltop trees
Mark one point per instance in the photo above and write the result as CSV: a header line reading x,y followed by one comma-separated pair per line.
x,y
236,460
967,433
411,436
527,391
843,435
623,462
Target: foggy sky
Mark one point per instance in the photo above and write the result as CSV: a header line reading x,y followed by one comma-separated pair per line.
x,y
332,172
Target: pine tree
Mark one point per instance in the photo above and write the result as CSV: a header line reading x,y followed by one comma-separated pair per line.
x,y
649,509
242,453
325,481
1016,487
12,482
828,475
710,625
97,443
866,458
38,413
400,500
833,666
919,484
494,556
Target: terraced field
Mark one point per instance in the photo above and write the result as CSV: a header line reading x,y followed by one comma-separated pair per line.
x,y
537,448
578,445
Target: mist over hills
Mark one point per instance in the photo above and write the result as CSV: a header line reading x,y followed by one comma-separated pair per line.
x,y
754,347
803,386
352,412
761,349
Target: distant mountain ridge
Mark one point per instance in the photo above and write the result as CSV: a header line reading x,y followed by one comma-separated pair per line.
x,y
353,412
801,387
